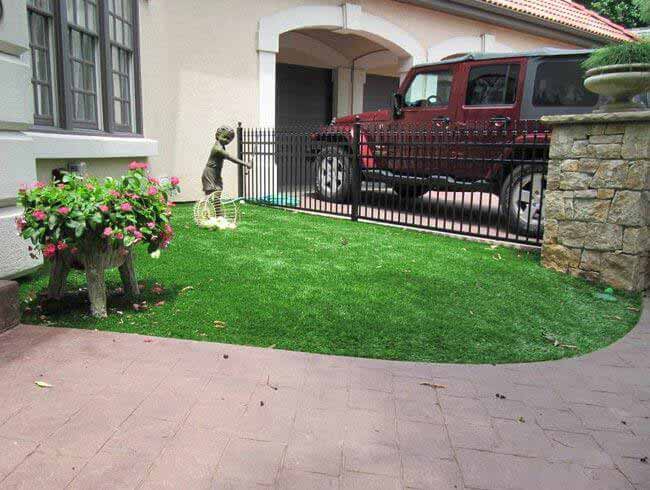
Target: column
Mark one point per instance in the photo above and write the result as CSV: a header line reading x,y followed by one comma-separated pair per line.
x,y
266,173
17,164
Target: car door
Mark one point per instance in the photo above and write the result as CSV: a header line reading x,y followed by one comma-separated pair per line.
x,y
429,107
491,105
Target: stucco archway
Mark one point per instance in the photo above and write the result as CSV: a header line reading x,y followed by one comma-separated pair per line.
x,y
347,18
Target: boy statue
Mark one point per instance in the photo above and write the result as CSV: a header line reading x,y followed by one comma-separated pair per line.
x,y
211,178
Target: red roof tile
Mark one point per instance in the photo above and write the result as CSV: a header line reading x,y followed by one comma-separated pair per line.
x,y
570,14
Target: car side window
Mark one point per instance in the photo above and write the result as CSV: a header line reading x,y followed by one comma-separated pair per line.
x,y
492,85
429,90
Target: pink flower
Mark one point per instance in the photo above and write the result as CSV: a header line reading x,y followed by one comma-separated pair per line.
x,y
169,230
21,223
151,225
126,207
175,181
107,231
22,189
90,187
39,184
152,191
130,229
103,208
138,235
61,245
119,235
64,210
137,166
74,250
114,193
39,215
49,251
154,180
61,186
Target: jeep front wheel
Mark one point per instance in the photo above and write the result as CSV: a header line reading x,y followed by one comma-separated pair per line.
x,y
333,176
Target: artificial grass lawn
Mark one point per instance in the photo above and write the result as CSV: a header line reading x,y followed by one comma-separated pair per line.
x,y
318,284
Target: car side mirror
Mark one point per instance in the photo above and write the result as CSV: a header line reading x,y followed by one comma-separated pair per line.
x,y
398,103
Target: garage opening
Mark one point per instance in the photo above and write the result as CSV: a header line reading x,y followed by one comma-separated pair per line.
x,y
303,95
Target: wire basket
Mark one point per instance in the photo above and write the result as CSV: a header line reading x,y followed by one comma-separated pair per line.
x,y
216,212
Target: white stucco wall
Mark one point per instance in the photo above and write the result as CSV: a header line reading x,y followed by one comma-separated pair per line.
x,y
200,68
16,149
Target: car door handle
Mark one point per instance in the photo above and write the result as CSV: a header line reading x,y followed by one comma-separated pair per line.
x,y
441,121
500,119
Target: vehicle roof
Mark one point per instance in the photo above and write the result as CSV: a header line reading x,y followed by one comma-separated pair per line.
x,y
543,52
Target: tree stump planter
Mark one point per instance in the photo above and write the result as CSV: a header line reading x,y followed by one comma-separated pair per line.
x,y
94,257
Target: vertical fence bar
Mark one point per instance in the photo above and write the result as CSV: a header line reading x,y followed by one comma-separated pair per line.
x,y
240,155
356,168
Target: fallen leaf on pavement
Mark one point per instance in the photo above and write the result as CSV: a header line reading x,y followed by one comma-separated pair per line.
x,y
187,288
433,385
42,384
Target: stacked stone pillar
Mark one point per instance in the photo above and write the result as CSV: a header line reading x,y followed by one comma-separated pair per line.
x,y
597,200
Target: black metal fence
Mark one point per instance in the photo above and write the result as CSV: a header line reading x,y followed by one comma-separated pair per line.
x,y
485,179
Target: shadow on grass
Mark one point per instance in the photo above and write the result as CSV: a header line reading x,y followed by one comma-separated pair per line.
x,y
76,302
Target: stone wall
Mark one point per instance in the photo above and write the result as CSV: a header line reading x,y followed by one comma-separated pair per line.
x,y
597,201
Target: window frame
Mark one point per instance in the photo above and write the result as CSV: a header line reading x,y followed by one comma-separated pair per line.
x,y
62,77
50,52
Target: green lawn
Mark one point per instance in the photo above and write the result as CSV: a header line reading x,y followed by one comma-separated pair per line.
x,y
317,284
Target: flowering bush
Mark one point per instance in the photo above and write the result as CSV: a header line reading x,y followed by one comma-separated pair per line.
x,y
66,215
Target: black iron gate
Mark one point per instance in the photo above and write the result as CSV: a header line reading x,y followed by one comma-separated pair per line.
x,y
481,179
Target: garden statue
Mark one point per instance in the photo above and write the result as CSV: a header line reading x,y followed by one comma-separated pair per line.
x,y
215,211
211,178
94,225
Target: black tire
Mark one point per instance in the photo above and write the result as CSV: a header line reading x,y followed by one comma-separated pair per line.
x,y
514,200
410,191
333,174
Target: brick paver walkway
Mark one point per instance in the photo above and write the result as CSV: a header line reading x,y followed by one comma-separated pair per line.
x,y
126,411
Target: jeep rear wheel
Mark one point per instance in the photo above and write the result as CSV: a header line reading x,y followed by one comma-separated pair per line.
x,y
521,199
333,177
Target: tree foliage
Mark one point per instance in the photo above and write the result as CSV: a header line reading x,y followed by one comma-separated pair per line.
x,y
628,13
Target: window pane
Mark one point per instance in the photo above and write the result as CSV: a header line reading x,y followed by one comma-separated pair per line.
x,y
75,43
126,89
79,107
80,19
118,8
91,108
41,4
40,66
89,78
492,85
71,16
45,106
126,112
118,31
88,48
38,29
92,16
560,83
118,112
429,90
128,10
128,36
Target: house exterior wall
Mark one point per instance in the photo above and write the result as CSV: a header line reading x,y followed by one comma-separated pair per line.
x,y
200,68
16,149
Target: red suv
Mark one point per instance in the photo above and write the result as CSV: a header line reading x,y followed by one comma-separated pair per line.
x,y
475,90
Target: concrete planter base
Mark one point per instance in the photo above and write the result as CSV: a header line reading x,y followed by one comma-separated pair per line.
x,y
9,306
621,83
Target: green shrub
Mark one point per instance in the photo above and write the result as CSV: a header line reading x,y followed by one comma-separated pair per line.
x,y
619,54
59,216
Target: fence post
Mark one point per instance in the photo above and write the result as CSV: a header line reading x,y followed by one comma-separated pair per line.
x,y
240,155
356,168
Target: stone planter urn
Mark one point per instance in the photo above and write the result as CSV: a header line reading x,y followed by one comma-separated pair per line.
x,y
621,83
94,256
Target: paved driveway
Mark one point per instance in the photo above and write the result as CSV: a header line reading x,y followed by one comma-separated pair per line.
x,y
127,411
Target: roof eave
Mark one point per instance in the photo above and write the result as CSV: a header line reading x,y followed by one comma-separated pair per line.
x,y
492,14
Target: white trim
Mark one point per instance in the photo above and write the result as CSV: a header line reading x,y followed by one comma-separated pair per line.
x,y
266,77
52,145
466,44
